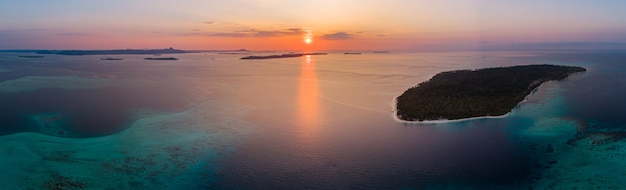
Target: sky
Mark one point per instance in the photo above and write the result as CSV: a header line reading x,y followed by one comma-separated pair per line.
x,y
326,24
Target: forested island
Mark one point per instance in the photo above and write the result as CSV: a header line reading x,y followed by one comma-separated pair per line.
x,y
115,52
161,58
111,59
123,51
474,93
281,56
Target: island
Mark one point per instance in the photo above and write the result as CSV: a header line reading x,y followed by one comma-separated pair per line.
x,y
161,58
281,56
123,51
462,94
111,59
30,56
114,52
233,53
352,53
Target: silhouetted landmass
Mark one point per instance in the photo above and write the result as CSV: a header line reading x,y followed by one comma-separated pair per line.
x,y
161,58
380,52
115,52
120,51
111,59
233,53
271,56
218,51
30,56
20,51
352,53
475,93
282,56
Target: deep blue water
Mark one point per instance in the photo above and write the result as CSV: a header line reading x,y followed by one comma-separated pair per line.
x,y
212,121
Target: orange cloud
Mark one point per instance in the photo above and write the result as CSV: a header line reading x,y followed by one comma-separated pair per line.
x,y
338,36
254,33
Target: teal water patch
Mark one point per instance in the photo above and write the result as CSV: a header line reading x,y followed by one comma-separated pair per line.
x,y
541,129
4,70
81,107
159,151
49,123
538,129
545,101
567,151
551,130
31,83
587,165
541,118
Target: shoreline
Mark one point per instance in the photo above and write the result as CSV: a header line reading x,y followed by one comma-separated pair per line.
x,y
443,121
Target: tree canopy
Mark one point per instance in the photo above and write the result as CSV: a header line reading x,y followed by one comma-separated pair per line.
x,y
474,93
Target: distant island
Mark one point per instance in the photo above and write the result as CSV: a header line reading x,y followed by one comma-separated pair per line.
x,y
281,56
233,53
161,58
111,59
30,56
464,94
114,52
121,51
352,53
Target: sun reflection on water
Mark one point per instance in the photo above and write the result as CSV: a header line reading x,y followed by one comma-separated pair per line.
x,y
308,102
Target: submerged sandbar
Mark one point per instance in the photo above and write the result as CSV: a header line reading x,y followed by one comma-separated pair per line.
x,y
462,94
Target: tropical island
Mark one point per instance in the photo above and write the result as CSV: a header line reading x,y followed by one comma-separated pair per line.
x,y
281,56
111,59
122,51
464,94
161,58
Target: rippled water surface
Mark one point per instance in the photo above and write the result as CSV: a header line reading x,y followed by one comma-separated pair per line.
x,y
212,121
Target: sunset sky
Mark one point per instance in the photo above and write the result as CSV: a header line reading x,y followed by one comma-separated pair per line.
x,y
330,24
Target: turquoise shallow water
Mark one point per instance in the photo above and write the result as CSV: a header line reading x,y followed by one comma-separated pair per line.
x,y
210,121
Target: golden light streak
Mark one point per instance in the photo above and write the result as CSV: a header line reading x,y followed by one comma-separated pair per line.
x,y
308,103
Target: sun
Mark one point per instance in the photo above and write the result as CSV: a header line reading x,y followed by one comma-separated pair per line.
x,y
308,37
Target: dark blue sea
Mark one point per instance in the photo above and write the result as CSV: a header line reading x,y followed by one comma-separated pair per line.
x,y
213,121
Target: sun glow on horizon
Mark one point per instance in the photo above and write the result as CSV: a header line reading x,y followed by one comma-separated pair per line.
x,y
346,24
308,37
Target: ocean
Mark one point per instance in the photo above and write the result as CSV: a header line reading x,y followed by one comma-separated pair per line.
x,y
213,121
